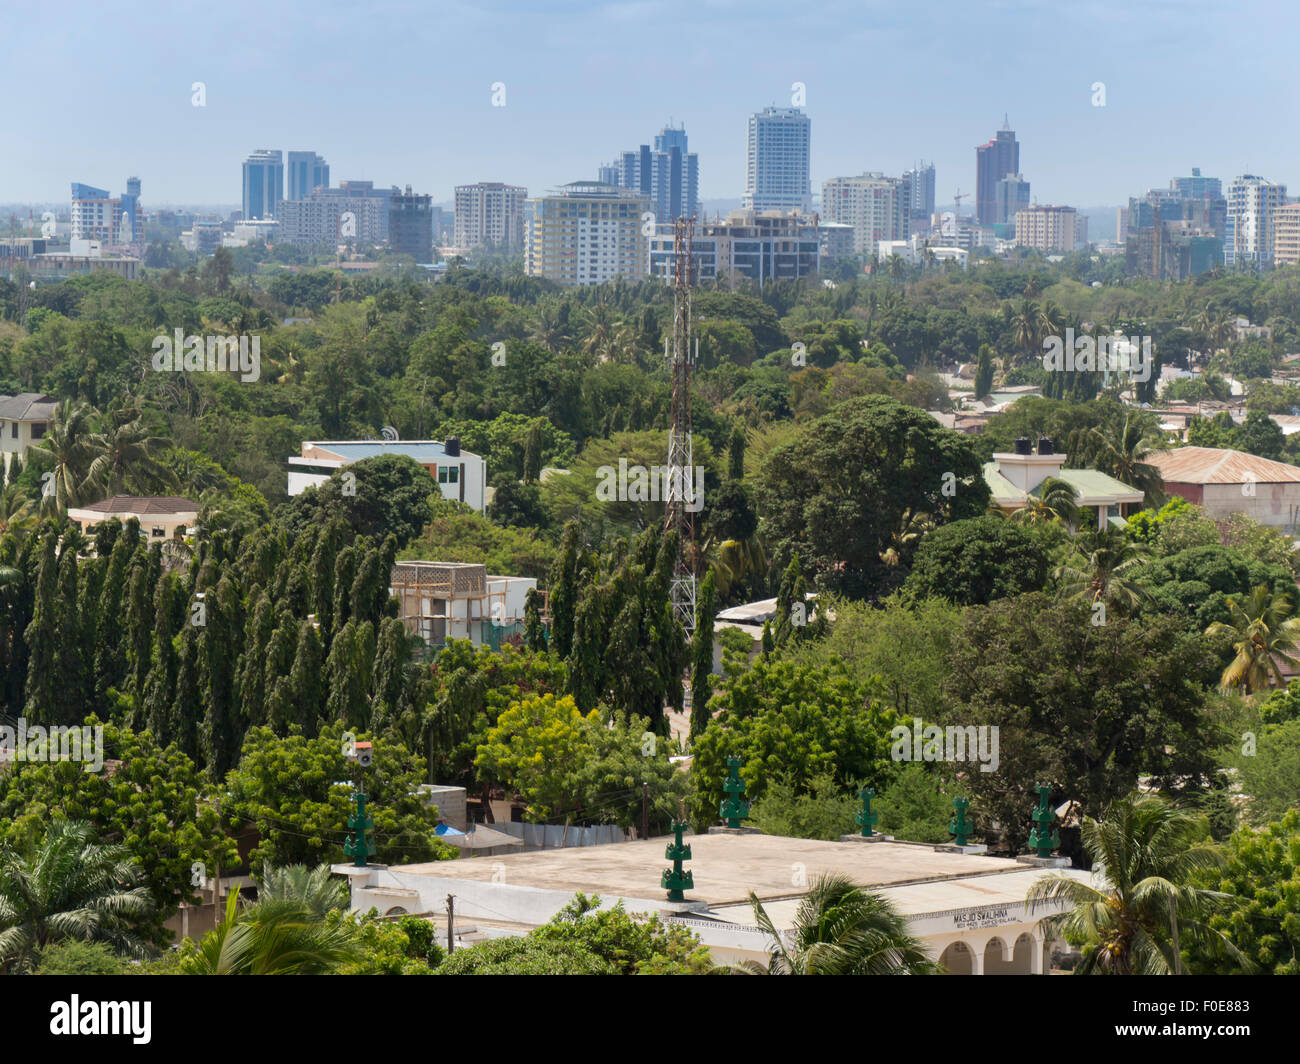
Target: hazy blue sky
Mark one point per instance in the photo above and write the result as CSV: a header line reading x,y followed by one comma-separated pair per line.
x,y
399,92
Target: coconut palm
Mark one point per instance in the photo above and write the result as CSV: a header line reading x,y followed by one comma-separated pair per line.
x,y
1264,632
315,889
278,937
911,527
1102,568
17,515
1122,450
1141,908
841,929
71,445
1025,327
1053,501
68,887
127,459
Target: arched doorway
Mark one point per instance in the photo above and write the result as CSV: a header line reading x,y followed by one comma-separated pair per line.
x,y
957,959
995,962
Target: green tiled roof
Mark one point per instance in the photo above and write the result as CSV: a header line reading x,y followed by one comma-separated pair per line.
x,y
1089,483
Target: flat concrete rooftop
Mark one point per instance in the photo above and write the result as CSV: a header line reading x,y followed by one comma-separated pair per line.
x,y
727,867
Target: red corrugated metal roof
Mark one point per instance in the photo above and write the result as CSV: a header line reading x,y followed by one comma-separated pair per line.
x,y
1213,465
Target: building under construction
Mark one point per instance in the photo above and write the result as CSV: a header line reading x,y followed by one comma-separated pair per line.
x,y
459,600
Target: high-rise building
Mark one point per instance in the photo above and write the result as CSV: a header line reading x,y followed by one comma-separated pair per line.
x,y
993,161
306,171
490,214
98,215
1248,230
778,161
587,233
263,183
1196,186
1286,235
355,213
1011,195
1047,229
917,192
410,225
760,245
871,204
668,173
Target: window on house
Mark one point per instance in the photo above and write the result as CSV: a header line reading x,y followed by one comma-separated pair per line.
x,y
453,475
13,430
442,474
157,532
38,429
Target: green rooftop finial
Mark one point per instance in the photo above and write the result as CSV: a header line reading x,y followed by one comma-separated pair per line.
x,y
733,809
1043,838
360,844
676,879
959,825
865,816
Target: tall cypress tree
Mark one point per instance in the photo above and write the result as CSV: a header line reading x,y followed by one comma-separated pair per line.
x,y
187,709
223,721
73,688
111,636
160,684
702,656
306,684
42,638
252,665
564,592
140,616
345,572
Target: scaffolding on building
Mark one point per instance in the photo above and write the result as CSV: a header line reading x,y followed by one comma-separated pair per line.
x,y
439,601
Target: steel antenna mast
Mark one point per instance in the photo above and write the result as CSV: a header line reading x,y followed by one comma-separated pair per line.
x,y
682,501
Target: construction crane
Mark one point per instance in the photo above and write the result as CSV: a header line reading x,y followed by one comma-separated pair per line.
x,y
956,199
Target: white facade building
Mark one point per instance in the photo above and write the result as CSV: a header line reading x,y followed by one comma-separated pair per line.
x,y
489,214
871,204
777,161
1248,234
461,476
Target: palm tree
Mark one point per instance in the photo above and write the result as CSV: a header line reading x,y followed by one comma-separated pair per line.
x,y
1024,327
1144,853
1264,632
1122,453
841,929
17,515
127,459
1053,501
68,887
911,527
72,446
315,889
278,937
1102,569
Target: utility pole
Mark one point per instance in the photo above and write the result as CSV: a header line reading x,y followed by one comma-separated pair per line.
x,y
645,810
680,494
451,918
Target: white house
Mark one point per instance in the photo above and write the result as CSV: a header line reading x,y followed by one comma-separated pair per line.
x,y
24,420
161,517
461,476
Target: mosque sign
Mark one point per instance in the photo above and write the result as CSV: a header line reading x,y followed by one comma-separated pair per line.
x,y
992,916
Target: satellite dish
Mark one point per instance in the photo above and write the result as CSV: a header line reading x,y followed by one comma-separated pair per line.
x,y
389,433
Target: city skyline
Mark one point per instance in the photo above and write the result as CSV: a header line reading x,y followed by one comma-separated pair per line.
x,y
405,108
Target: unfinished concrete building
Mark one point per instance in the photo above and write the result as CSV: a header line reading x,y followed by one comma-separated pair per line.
x,y
460,600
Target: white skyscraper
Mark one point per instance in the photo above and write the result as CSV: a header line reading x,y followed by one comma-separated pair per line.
x,y
1248,234
778,161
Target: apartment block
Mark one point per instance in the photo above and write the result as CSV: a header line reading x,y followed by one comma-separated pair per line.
x,y
1248,231
489,214
778,161
1286,235
263,184
762,246
587,233
871,203
1047,229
